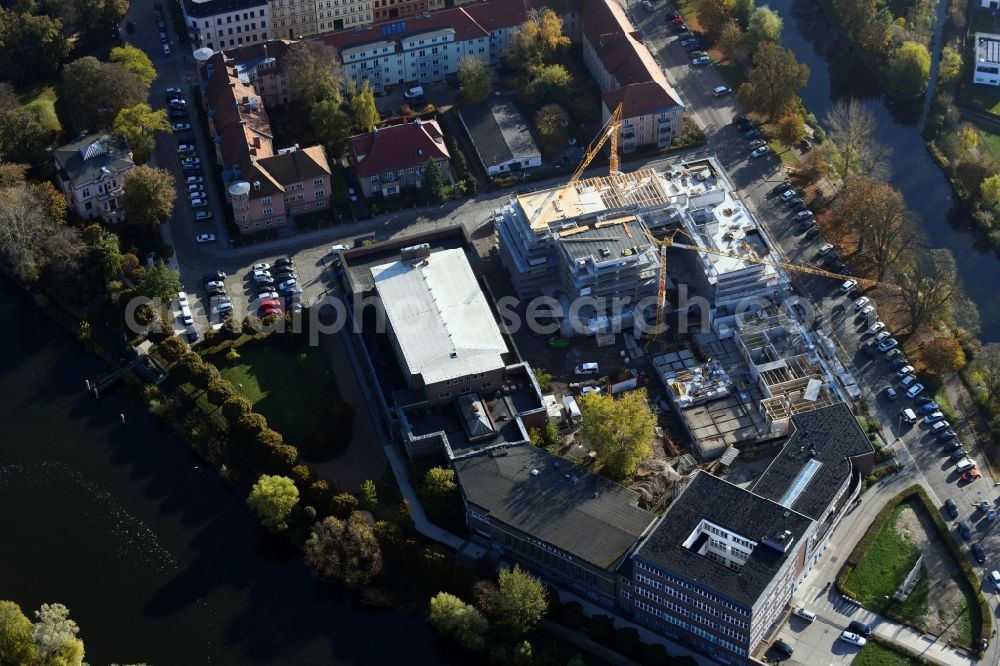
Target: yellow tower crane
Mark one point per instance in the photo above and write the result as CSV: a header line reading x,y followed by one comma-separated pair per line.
x,y
609,131
748,254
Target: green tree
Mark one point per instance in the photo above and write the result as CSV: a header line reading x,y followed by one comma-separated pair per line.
x,y
790,129
764,28
713,14
16,643
620,430
108,256
24,137
438,490
990,189
518,602
91,93
159,281
987,371
865,23
968,137
548,84
461,621
344,551
219,391
148,196
538,40
432,183
312,72
927,282
235,407
138,125
363,108
136,61
552,122
369,495
30,241
34,46
474,80
950,66
733,42
99,19
772,86
331,124
909,69
273,498
543,378
55,637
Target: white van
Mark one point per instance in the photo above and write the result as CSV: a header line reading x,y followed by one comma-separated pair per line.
x,y
414,92
965,464
908,415
572,409
587,369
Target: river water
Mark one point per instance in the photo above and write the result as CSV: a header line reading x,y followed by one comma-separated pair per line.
x,y
156,560
808,34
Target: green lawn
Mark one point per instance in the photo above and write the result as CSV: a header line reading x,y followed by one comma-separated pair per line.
x,y
883,568
941,398
989,140
43,99
294,396
875,654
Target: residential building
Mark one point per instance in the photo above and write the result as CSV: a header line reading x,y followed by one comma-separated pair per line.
x,y
500,136
629,76
91,172
221,24
992,5
446,340
259,65
296,19
422,49
266,187
987,70
567,525
388,159
391,10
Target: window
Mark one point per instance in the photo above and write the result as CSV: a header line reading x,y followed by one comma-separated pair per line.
x,y
317,181
268,211
374,179
257,224
320,204
246,227
266,200
86,192
319,193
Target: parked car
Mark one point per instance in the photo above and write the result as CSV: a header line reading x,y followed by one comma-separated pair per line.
x,y
852,638
198,203
907,380
806,615
212,277
719,91
180,127
958,453
928,407
177,113
185,147
285,261
260,275
205,238
933,417
222,308
860,628
166,49
214,284
890,393
203,215
914,391
951,508
780,188
949,435
196,188
803,214
964,529
787,649
760,151
261,267
648,6
892,355
877,327
267,294
870,348
287,284
700,61
848,286
173,91
971,475
995,579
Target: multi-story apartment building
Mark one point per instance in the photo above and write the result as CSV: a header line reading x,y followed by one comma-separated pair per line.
x,y
391,10
260,66
221,24
628,76
266,188
388,159
91,172
295,19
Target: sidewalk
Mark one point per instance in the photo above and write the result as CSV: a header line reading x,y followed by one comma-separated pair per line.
x,y
972,424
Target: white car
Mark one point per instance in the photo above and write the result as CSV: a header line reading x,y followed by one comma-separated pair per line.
x,y
848,287
180,127
719,91
701,60
867,310
203,215
182,299
287,284
261,267
184,147
789,194
215,284
852,638
995,579
262,276
191,162
877,327
826,249
806,615
905,370
191,180
649,6
887,344
760,151
198,203
861,302
205,238
222,308
914,391
173,91
166,49
267,295
196,187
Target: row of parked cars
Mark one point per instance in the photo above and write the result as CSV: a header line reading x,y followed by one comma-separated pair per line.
x,y
276,283
162,26
856,633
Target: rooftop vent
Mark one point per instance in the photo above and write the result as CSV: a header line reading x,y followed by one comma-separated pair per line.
x,y
534,472
605,252
256,185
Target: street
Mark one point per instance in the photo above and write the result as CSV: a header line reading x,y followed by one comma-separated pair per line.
x,y
925,460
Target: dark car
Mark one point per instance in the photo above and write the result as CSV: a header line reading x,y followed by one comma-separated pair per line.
x,y
216,292
860,628
784,647
780,188
796,201
178,114
285,261
947,435
978,553
951,508
965,530
212,277
870,348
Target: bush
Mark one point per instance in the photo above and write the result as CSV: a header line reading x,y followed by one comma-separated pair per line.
x,y
601,629
172,349
343,505
627,642
570,615
655,655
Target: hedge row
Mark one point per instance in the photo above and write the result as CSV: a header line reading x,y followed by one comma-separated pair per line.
x,y
983,625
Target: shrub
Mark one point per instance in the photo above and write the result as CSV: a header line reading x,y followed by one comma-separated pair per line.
x,y
570,615
235,407
172,349
343,505
627,642
601,629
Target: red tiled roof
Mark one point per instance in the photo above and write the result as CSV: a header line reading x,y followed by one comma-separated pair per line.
x,y
465,28
397,147
639,99
496,14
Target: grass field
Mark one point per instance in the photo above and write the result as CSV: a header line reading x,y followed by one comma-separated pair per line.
x,y
989,140
874,654
43,99
884,567
295,396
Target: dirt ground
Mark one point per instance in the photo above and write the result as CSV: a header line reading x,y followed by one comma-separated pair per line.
x,y
945,600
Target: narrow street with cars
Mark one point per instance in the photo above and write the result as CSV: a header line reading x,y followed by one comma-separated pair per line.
x,y
281,275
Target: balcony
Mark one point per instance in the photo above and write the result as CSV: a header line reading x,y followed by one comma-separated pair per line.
x,y
104,196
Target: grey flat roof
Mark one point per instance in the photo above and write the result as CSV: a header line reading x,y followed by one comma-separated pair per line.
x,y
730,507
499,132
565,506
987,47
831,437
613,238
